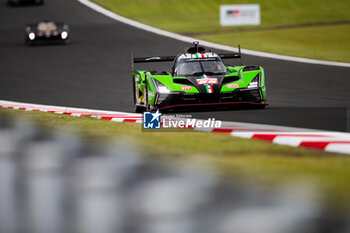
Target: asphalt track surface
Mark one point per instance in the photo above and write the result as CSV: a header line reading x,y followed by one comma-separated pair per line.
x,y
94,71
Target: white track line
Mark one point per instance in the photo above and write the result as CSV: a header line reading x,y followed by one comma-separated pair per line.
x,y
187,39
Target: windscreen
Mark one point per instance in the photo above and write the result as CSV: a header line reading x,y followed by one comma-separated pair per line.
x,y
193,67
47,26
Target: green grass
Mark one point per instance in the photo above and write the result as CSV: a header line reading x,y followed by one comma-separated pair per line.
x,y
203,15
325,42
188,16
234,158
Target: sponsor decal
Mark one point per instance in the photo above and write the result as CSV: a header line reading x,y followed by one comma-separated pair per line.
x,y
233,13
202,59
199,55
232,85
240,13
186,88
209,88
206,81
151,120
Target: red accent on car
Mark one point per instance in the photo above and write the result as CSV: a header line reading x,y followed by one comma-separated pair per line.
x,y
186,88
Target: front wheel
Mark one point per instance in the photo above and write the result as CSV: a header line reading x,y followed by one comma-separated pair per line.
x,y
260,106
147,107
137,108
9,3
28,42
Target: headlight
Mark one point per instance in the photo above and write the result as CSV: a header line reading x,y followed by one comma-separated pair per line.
x,y
64,35
254,83
161,88
32,36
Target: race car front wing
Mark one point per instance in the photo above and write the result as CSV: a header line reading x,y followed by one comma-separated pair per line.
x,y
184,100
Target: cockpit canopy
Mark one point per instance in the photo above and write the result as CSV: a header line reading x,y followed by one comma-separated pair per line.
x,y
47,26
194,67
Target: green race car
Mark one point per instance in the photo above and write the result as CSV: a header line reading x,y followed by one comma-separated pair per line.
x,y
198,78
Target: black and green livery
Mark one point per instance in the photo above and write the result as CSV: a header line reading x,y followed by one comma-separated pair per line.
x,y
197,78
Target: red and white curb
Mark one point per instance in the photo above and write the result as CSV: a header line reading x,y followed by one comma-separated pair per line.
x,y
336,142
77,112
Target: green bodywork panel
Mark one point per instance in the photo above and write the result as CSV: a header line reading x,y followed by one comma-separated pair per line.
x,y
244,78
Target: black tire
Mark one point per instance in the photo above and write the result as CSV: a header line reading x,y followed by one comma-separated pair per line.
x,y
28,42
137,109
65,42
260,106
134,91
11,4
147,107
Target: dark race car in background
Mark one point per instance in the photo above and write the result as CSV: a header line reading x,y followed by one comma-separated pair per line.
x,y
46,32
24,2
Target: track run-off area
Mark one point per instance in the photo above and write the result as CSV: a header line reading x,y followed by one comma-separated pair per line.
x,y
94,71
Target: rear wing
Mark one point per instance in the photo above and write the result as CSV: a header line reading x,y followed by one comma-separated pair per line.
x,y
190,50
232,55
153,59
149,59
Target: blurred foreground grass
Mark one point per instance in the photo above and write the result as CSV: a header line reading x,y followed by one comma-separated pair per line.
x,y
233,158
